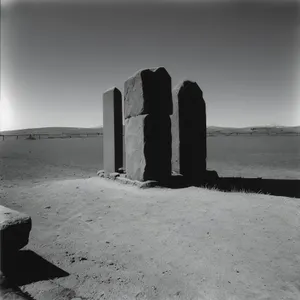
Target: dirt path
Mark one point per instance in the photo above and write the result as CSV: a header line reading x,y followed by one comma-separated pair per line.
x,y
111,241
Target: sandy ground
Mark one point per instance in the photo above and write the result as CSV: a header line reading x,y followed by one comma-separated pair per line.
x,y
120,242
112,241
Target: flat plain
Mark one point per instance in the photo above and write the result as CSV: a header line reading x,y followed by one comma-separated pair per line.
x,y
97,239
274,157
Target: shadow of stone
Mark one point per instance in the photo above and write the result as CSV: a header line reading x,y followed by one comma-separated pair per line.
x,y
10,291
26,267
275,187
178,181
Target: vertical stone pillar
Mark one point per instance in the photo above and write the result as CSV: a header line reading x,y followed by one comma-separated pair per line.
x,y
189,131
112,130
147,109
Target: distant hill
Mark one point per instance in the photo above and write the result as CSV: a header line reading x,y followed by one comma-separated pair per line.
x,y
269,130
211,130
53,131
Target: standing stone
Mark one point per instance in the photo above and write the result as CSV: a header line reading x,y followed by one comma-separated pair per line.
x,y
148,92
148,147
148,106
112,130
189,131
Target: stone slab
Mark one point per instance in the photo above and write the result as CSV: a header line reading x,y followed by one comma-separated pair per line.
x,y
14,230
121,178
188,130
112,130
148,91
148,147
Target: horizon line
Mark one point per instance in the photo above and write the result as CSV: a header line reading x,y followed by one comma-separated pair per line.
x,y
208,126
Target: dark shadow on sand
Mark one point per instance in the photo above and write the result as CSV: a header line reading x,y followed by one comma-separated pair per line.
x,y
275,187
10,291
26,267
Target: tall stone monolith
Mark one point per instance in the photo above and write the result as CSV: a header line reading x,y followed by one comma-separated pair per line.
x,y
112,130
147,107
189,131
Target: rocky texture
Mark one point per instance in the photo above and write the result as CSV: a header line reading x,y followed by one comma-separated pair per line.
x,y
121,177
189,131
14,229
101,173
175,180
121,170
148,147
113,175
112,130
148,92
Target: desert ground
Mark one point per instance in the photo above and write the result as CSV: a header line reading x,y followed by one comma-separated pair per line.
x,y
98,239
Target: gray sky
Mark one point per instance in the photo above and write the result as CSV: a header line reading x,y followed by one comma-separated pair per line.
x,y
58,57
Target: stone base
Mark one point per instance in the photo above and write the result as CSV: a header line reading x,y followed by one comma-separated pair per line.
x,y
175,180
121,177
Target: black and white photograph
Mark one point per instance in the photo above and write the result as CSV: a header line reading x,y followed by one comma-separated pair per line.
x,y
150,150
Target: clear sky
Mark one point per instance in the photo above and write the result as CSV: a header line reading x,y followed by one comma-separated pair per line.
x,y
58,57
